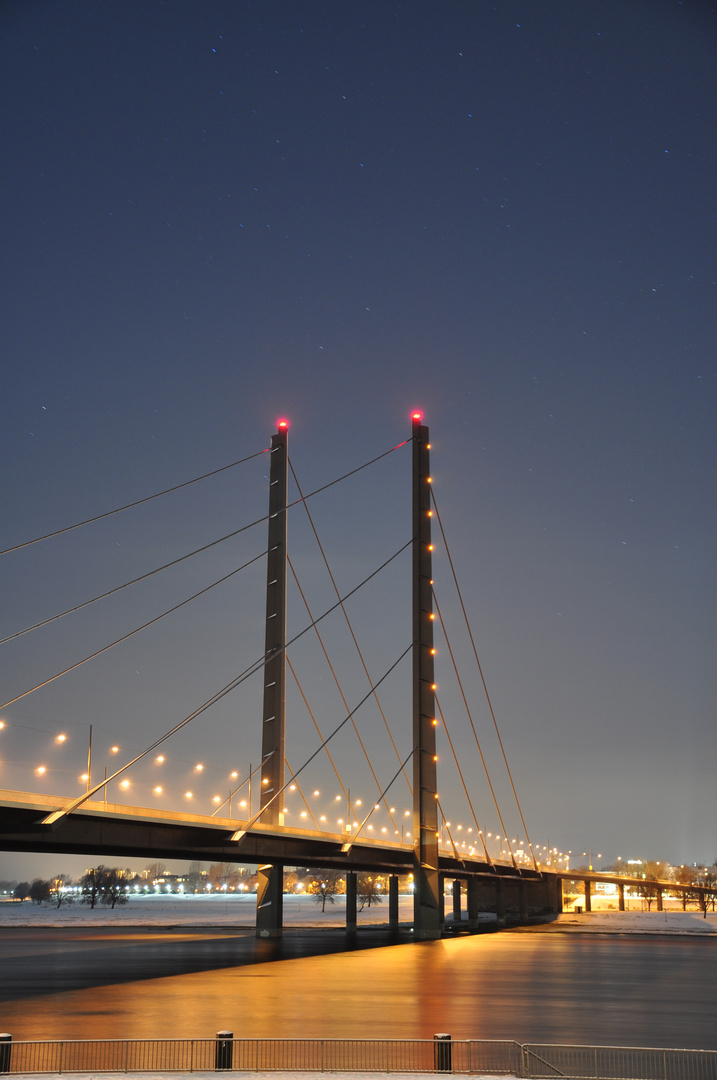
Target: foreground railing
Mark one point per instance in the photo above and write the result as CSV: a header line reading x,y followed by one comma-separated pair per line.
x,y
441,1054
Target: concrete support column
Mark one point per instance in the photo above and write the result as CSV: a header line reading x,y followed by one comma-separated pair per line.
x,y
621,900
351,884
456,900
270,901
473,922
558,903
588,901
659,899
393,901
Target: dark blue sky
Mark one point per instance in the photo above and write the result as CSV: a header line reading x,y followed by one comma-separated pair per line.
x,y
504,213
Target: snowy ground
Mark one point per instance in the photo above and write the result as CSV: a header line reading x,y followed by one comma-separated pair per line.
x,y
191,910
240,911
634,922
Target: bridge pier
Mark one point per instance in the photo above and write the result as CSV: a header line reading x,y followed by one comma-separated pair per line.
x,y
456,900
621,897
659,899
588,902
351,883
523,899
393,901
270,901
472,887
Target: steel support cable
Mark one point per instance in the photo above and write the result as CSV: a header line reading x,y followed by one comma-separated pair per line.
x,y
338,687
137,502
470,718
348,621
460,773
238,835
137,630
257,665
135,581
235,791
175,562
456,853
482,678
318,731
345,476
349,843
303,797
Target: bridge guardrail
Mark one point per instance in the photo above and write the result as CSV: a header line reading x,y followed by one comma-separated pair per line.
x,y
531,1061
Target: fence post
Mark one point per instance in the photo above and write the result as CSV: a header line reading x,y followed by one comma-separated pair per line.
x,y
5,1051
442,1053
225,1050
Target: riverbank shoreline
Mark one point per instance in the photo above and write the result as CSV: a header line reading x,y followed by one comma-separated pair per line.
x,y
216,913
662,923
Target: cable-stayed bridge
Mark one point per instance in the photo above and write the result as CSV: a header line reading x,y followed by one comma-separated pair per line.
x,y
297,721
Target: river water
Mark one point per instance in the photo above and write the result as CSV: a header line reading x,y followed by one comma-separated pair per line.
x,y
566,988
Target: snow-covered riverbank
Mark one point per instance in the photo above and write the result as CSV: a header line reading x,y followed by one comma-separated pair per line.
x,y
240,911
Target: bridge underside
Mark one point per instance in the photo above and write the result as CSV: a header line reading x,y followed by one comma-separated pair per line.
x,y
123,832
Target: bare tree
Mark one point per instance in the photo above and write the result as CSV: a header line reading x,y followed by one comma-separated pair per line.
x,y
113,887
60,887
194,876
689,876
223,873
91,884
368,891
653,871
155,870
39,891
329,884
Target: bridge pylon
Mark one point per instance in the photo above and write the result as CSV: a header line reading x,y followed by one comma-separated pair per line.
x,y
269,900
427,907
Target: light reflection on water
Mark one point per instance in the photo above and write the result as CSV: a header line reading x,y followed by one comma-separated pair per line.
x,y
527,987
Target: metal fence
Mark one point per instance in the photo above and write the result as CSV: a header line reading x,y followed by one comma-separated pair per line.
x,y
616,1063
477,1056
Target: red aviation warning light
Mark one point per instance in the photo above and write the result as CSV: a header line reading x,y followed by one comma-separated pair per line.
x,y
283,425
417,415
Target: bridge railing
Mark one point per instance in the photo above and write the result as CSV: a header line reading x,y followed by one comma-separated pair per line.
x,y
485,1057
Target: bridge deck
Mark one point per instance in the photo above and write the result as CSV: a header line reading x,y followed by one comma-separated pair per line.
x,y
98,828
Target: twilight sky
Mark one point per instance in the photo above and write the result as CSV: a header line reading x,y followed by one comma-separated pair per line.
x,y
218,214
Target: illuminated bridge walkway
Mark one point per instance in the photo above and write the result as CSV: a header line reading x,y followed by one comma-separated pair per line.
x,y
349,781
